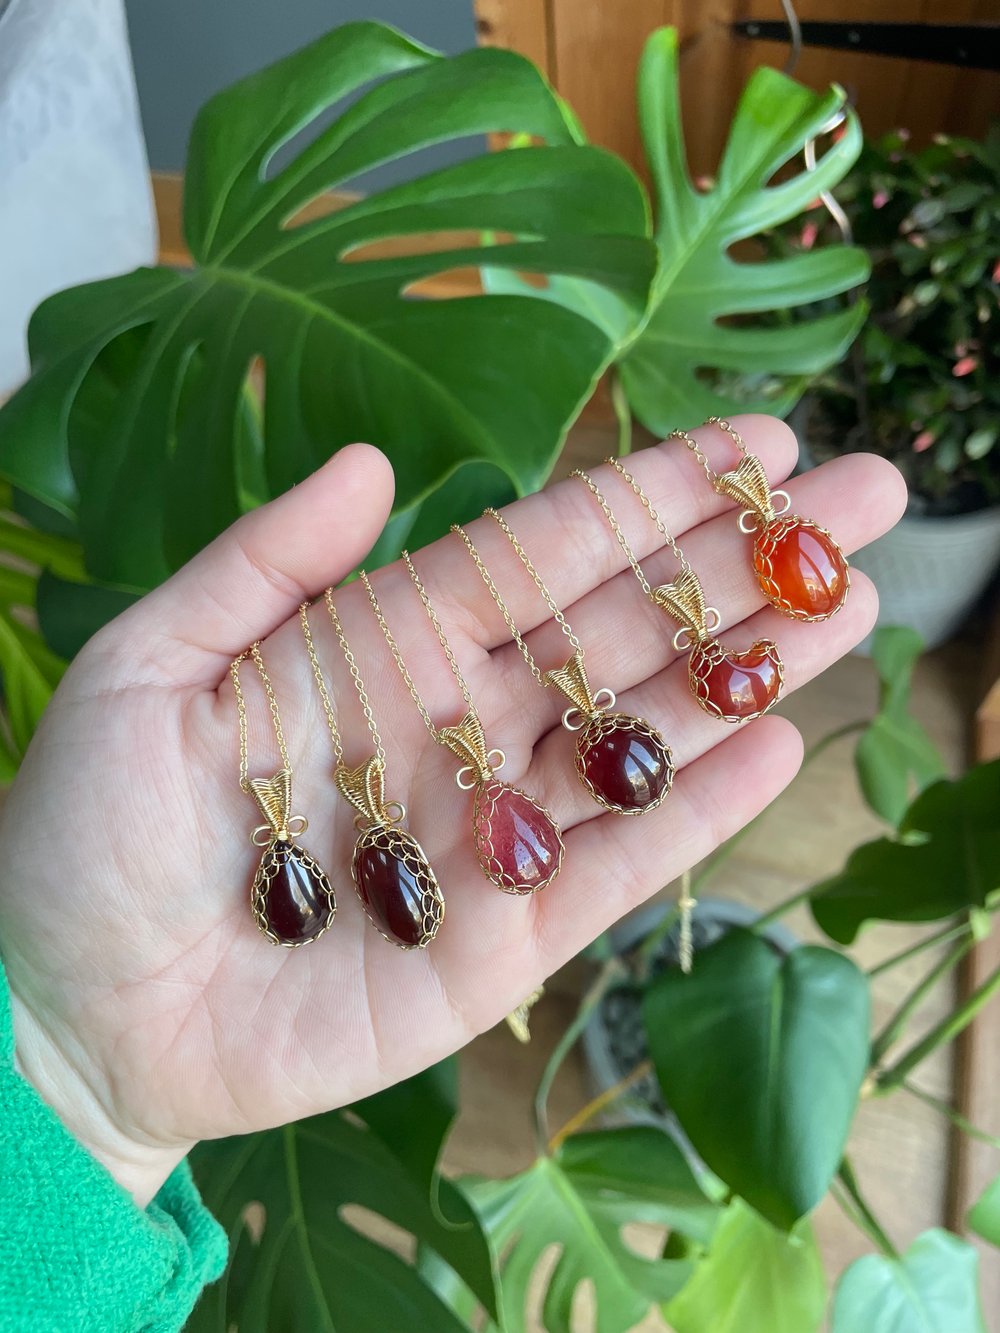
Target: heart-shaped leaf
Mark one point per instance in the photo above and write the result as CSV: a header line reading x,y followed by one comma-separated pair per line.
x,y
301,1257
293,306
580,1199
946,859
703,294
895,753
932,1288
754,1279
761,1059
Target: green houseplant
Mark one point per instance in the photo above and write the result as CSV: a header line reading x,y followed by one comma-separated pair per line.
x,y
163,403
920,385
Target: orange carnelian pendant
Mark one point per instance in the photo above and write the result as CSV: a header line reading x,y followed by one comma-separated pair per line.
x,y
734,686
800,568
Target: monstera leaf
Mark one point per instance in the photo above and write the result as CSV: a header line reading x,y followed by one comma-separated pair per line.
x,y
163,402
933,1287
698,325
300,1259
761,1059
580,1199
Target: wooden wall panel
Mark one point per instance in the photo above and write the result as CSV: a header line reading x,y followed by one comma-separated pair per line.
x,y
590,50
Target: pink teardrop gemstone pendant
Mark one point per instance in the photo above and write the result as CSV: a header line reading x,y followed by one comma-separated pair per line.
x,y
518,843
624,763
800,568
291,897
735,686
397,886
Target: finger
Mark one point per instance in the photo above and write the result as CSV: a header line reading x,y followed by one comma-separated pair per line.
x,y
253,577
568,538
627,640
666,702
628,860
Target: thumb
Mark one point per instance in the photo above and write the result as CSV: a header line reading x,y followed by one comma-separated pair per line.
x,y
254,576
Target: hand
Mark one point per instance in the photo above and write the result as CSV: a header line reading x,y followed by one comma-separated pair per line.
x,y
149,1011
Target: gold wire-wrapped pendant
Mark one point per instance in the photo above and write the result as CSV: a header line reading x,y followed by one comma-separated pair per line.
x,y
518,843
291,897
624,763
397,888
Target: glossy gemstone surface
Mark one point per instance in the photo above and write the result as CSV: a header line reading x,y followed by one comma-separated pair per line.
x,y
736,685
292,898
397,886
518,843
625,762
800,568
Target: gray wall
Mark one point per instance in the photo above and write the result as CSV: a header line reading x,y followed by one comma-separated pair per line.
x,y
185,50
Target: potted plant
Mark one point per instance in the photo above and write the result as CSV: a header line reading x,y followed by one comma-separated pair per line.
x,y
922,383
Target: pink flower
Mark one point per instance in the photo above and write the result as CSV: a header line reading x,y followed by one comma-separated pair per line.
x,y
923,441
880,198
965,366
807,236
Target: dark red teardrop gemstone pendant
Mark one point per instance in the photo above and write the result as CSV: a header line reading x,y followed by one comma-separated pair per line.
x,y
517,841
291,898
624,763
397,886
735,686
800,568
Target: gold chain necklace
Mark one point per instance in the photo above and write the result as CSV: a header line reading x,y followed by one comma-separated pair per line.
x,y
731,685
517,841
394,880
622,761
291,897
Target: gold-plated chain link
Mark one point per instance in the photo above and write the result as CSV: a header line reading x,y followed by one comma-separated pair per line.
x,y
647,504
616,529
324,694
241,708
456,670
352,666
693,445
494,591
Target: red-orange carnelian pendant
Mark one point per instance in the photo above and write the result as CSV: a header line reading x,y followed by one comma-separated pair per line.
x,y
800,568
734,686
518,844
623,762
393,877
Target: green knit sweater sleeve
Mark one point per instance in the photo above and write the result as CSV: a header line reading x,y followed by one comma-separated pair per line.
x,y
76,1254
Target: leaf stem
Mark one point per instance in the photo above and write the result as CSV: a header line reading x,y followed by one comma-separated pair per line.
x,y
942,1033
862,1215
949,1112
597,1104
893,1029
944,936
611,973
623,413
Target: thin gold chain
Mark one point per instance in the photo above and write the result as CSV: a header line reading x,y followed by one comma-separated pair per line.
x,y
692,444
647,504
539,583
616,528
352,664
241,708
456,670
504,609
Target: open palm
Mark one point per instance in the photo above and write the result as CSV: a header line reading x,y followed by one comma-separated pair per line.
x,y
149,1011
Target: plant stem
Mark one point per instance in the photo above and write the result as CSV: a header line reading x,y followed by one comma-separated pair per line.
x,y
780,909
824,742
611,973
863,1217
597,1104
894,1027
949,1112
940,937
942,1033
623,414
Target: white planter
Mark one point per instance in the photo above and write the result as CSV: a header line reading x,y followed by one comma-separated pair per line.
x,y
75,199
930,572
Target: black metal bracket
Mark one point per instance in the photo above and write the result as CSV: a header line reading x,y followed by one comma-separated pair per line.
x,y
973,46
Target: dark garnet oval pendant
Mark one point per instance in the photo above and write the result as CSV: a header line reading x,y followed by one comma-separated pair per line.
x,y
624,763
397,886
291,897
517,841
735,686
800,568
